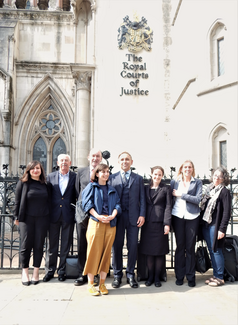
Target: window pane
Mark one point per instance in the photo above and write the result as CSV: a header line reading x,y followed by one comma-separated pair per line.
x,y
59,148
40,152
223,153
220,58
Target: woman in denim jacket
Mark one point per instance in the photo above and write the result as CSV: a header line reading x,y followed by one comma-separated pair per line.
x,y
103,204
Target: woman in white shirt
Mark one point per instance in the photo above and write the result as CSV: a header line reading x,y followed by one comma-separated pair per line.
x,y
187,194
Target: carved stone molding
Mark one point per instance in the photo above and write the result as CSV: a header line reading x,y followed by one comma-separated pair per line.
x,y
82,80
6,115
59,17
52,68
93,6
82,75
11,38
7,92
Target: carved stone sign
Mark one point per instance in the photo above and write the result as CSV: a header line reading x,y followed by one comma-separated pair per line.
x,y
135,36
134,69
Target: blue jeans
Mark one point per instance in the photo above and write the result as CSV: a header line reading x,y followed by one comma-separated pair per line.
x,y
216,257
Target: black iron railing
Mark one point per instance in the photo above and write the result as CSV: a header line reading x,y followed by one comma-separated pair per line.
x,y
9,234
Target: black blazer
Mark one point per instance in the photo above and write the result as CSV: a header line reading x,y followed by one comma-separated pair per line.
x,y
159,207
82,180
21,201
62,203
221,215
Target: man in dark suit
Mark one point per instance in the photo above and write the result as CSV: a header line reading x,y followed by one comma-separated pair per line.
x,y
130,188
82,180
61,218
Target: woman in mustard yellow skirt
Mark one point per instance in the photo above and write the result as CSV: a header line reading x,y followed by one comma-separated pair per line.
x,y
103,204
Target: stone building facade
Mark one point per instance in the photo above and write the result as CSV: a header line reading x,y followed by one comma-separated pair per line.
x,y
155,78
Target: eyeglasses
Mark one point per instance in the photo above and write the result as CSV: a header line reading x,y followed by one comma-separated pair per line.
x,y
218,177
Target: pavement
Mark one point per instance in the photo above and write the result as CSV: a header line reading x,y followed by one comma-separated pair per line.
x,y
62,303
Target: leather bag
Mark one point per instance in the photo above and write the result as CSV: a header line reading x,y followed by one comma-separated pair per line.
x,y
203,262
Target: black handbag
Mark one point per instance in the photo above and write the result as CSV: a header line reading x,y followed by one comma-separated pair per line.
x,y
71,268
203,262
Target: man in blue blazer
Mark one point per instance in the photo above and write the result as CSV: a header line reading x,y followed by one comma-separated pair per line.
x,y
61,218
130,188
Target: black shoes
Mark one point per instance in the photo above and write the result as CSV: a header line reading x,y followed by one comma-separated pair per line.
x,y
179,282
34,282
191,284
132,282
26,283
80,280
61,277
157,284
116,283
148,283
48,277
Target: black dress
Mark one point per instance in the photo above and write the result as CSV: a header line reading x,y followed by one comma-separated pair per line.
x,y
158,214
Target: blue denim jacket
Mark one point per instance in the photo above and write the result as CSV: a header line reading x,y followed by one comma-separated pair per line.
x,y
92,197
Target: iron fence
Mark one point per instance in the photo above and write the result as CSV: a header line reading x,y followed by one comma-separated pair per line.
x,y
9,233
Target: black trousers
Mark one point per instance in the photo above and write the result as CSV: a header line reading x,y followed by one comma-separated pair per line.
x,y
66,231
82,246
124,226
33,232
185,234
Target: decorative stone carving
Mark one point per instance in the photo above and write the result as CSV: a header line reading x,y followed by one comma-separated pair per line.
x,y
21,4
135,35
66,5
6,115
43,4
93,6
83,79
65,16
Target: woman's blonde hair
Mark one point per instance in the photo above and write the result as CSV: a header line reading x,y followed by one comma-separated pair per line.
x,y
181,167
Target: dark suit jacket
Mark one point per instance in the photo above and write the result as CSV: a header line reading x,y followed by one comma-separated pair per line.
x,y
61,203
82,180
21,199
159,206
193,197
221,215
137,204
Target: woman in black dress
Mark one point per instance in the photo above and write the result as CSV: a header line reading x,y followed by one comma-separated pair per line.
x,y
32,209
154,233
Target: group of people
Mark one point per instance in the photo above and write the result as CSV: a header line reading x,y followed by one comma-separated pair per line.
x,y
118,205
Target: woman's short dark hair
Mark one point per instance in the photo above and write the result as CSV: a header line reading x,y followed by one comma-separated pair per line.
x,y
31,165
225,175
99,168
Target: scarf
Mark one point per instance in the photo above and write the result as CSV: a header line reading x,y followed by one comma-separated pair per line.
x,y
212,193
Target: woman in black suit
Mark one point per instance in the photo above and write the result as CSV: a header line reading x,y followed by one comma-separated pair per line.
x,y
154,233
32,209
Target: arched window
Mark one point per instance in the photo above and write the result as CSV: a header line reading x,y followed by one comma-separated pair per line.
x,y
218,50
59,148
40,152
49,138
219,140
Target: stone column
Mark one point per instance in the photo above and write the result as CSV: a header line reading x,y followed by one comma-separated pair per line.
x,y
82,116
5,106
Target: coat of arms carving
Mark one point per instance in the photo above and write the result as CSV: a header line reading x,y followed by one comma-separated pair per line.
x,y
135,35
